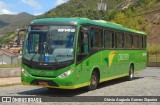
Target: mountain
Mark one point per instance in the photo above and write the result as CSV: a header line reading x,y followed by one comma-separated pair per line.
x,y
2,24
143,15
9,23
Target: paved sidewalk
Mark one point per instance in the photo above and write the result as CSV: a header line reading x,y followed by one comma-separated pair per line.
x,y
10,81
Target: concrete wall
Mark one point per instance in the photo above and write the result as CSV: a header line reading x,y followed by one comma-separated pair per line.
x,y
1,58
14,60
153,64
9,72
5,59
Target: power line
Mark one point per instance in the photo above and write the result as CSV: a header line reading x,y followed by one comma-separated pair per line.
x,y
145,12
116,7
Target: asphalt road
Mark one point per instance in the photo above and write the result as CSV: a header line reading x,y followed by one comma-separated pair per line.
x,y
146,83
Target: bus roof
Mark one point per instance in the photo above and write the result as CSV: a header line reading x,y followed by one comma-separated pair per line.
x,y
80,21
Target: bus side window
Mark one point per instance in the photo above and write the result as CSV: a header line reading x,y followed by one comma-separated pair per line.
x,y
96,38
127,41
119,43
109,39
135,41
144,42
83,44
92,37
123,41
132,43
83,41
140,42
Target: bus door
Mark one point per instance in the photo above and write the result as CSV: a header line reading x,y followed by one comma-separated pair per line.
x,y
83,53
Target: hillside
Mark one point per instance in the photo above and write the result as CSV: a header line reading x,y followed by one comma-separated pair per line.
x,y
80,8
143,15
9,23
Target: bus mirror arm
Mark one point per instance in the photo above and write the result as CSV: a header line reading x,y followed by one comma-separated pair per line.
x,y
22,46
18,35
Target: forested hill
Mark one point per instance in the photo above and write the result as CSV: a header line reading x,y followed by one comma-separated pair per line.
x,y
9,23
143,15
80,8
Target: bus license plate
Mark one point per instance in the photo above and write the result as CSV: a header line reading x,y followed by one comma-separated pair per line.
x,y
43,83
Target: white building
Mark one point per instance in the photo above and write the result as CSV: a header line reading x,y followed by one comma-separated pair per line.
x,y
7,57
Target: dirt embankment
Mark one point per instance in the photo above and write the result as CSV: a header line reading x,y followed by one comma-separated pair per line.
x,y
153,26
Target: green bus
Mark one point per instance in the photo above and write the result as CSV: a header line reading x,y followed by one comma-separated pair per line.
x,y
70,53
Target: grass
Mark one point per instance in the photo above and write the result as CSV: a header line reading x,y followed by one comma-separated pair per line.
x,y
154,58
153,49
154,53
10,66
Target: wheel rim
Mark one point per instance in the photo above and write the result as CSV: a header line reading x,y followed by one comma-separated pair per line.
x,y
93,81
131,73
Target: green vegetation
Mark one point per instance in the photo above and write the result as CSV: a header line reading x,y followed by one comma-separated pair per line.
x,y
10,65
153,49
80,8
137,23
154,58
154,53
7,39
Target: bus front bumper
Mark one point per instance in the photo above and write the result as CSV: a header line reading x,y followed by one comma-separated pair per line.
x,y
61,83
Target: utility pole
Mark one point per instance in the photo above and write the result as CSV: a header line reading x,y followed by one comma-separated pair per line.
x,y
102,7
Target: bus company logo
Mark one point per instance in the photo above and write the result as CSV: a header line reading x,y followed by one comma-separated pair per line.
x,y
111,56
42,73
6,99
123,57
66,30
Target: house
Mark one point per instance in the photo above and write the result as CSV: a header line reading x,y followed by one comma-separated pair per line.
x,y
7,57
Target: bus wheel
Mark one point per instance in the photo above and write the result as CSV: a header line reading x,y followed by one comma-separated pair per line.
x,y
93,81
131,73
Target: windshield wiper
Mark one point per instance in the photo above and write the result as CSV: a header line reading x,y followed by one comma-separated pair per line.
x,y
56,59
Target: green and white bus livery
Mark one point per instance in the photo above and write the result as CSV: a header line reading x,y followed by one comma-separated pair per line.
x,y
70,53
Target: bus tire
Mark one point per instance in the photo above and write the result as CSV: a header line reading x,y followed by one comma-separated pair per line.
x,y
93,81
131,73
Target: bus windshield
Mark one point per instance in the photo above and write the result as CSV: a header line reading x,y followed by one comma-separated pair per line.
x,y
49,43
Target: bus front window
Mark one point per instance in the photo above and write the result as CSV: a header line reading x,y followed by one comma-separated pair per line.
x,y
49,44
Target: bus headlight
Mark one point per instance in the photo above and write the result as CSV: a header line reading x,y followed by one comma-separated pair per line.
x,y
24,71
67,73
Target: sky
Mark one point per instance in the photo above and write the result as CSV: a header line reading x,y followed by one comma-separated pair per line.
x,y
34,7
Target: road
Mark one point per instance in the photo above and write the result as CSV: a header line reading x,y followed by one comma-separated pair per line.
x,y
146,83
